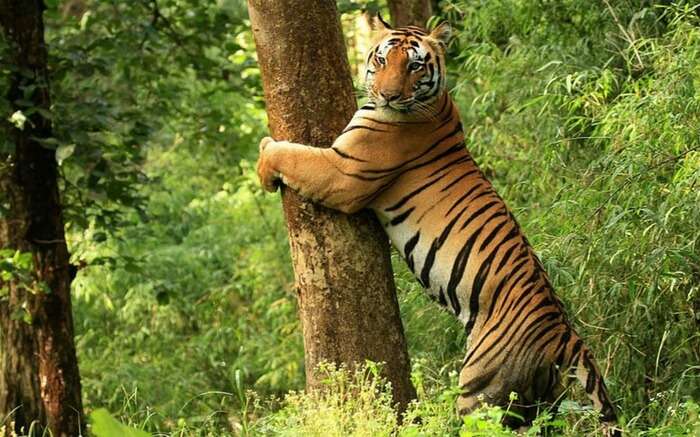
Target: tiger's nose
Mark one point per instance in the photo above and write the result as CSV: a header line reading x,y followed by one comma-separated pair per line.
x,y
390,96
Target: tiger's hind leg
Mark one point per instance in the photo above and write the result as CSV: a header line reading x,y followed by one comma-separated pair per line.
x,y
475,388
536,391
577,361
479,386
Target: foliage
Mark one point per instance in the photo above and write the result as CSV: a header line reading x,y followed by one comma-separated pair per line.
x,y
125,72
355,403
358,404
104,425
584,114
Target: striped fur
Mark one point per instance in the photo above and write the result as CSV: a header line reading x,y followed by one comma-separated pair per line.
x,y
403,155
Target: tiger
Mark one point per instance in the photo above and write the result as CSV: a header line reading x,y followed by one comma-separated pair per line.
x,y
403,155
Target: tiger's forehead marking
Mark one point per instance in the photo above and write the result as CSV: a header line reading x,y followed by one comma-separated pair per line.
x,y
408,42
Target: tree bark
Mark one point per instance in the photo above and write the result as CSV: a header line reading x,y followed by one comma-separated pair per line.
x,y
39,379
346,294
410,12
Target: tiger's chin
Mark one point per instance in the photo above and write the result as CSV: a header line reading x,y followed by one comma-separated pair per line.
x,y
396,108
404,109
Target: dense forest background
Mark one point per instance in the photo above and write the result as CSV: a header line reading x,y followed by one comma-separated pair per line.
x,y
586,116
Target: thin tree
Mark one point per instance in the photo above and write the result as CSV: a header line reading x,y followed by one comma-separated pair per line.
x,y
410,12
39,379
346,294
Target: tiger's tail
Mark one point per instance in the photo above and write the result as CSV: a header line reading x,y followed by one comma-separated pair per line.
x,y
579,360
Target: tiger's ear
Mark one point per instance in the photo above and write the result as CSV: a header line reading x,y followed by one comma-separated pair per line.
x,y
377,23
442,33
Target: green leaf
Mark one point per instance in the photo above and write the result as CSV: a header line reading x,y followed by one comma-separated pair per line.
x,y
21,314
45,113
163,297
104,425
64,152
23,260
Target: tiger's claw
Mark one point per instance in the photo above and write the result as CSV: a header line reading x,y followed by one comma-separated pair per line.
x,y
269,178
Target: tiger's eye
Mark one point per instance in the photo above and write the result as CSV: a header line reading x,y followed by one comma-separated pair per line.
x,y
380,60
415,66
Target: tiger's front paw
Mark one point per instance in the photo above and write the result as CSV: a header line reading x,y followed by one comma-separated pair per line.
x,y
269,178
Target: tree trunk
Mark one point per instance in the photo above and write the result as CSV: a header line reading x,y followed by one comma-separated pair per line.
x,y
347,299
410,12
39,380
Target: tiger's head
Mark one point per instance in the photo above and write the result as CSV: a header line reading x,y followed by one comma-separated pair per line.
x,y
405,69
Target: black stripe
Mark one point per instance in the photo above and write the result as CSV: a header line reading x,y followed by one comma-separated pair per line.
x,y
477,286
432,207
493,234
401,217
392,123
538,329
510,250
541,350
444,122
347,156
455,161
456,131
493,305
364,197
499,288
590,379
458,268
411,244
410,195
439,70
522,288
520,303
480,211
575,350
464,196
359,126
418,190
445,102
359,176
441,297
459,178
481,276
416,29
434,247
561,347
548,316
458,147
479,383
471,359
527,287
454,149
408,249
